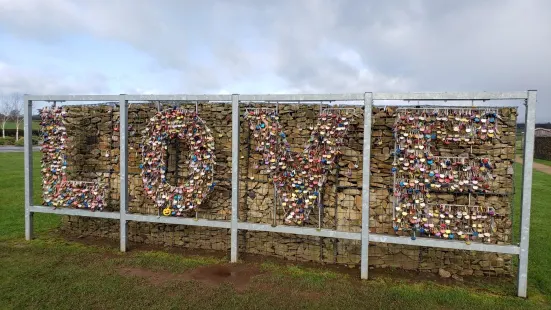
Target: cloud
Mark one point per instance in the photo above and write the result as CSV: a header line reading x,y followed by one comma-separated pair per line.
x,y
314,45
19,80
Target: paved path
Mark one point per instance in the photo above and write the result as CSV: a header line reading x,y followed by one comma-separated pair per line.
x,y
10,149
537,166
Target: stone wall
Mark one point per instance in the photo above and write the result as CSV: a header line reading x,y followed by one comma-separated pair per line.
x,y
542,148
341,195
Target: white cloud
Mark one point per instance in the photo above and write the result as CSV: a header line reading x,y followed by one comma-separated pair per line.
x,y
18,80
314,45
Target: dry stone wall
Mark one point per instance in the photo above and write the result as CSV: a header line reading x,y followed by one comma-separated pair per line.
x,y
341,195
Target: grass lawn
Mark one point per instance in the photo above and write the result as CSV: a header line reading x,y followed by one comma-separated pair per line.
x,y
52,273
542,161
11,125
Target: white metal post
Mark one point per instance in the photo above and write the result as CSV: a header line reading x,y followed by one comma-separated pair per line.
x,y
123,147
526,202
28,134
366,174
234,176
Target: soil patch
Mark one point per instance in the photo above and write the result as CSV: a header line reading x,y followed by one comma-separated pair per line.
x,y
238,275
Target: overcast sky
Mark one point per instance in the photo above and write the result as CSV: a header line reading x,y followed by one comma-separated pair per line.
x,y
257,46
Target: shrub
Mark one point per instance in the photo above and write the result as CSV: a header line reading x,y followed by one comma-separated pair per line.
x,y
7,141
20,142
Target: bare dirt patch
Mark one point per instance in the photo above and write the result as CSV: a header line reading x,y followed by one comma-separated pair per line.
x,y
238,275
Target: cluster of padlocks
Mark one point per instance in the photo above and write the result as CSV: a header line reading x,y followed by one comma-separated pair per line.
x,y
189,193
419,174
298,177
58,189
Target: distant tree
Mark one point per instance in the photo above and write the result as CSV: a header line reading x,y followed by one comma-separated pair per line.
x,y
11,108
14,114
6,107
16,101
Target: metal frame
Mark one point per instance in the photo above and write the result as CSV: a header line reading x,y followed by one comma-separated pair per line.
x,y
234,225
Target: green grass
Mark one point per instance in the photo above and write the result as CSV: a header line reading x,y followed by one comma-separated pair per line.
x,y
11,197
520,148
52,273
543,161
11,125
55,274
539,268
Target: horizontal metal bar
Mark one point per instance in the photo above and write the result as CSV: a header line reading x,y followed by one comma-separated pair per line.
x,y
452,205
74,97
177,220
467,106
445,244
260,109
296,97
75,212
78,182
178,97
303,97
452,96
305,231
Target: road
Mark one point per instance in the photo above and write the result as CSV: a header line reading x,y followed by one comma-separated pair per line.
x,y
536,166
10,149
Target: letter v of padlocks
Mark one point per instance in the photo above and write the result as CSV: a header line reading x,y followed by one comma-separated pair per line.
x,y
299,177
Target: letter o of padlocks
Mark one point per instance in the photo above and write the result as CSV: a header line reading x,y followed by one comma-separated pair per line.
x,y
189,194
